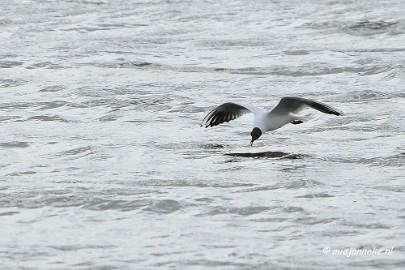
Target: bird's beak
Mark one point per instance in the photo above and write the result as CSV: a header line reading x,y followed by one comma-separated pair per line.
x,y
251,143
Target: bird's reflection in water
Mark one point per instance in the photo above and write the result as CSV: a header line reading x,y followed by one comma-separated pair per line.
x,y
268,154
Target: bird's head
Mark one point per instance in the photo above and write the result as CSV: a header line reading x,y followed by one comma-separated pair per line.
x,y
256,133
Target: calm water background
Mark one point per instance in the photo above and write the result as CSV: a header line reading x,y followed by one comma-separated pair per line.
x,y
104,164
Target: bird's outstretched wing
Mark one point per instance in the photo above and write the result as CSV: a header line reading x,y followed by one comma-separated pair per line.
x,y
296,104
227,112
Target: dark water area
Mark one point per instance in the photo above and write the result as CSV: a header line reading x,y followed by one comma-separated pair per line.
x,y
267,154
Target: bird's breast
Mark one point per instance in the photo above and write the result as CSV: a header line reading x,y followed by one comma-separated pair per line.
x,y
269,122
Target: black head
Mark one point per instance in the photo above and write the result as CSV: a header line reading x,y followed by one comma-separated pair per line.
x,y
256,133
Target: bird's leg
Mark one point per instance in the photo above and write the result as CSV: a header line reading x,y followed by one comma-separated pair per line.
x,y
299,119
296,122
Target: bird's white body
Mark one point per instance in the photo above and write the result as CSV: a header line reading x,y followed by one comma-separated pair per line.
x,y
267,121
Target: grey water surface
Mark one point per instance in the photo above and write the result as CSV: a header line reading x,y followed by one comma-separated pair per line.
x,y
104,165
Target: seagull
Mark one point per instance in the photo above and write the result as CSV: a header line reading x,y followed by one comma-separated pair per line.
x,y
285,112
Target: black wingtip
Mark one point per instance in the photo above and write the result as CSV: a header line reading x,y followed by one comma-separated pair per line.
x,y
224,113
339,113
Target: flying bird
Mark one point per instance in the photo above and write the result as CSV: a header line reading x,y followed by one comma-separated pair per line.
x,y
285,112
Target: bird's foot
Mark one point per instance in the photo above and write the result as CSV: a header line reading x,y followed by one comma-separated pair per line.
x,y
296,122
